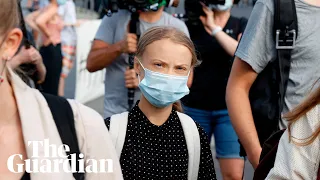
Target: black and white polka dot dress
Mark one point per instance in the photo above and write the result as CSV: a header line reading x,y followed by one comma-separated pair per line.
x,y
160,152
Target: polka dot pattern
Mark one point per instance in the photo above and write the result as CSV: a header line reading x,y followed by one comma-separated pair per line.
x,y
160,152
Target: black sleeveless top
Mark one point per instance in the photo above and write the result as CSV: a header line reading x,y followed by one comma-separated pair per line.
x,y
210,78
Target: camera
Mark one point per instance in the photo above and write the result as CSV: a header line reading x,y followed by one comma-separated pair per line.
x,y
112,6
193,10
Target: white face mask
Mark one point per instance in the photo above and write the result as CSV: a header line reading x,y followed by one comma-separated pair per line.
x,y
227,5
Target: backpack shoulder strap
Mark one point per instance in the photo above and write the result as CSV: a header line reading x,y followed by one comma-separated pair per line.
x,y
62,114
118,130
192,136
286,33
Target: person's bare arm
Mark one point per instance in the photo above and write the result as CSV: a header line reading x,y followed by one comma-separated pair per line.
x,y
227,42
45,17
103,54
30,56
30,20
240,81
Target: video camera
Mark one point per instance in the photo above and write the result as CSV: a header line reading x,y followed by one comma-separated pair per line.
x,y
112,6
193,10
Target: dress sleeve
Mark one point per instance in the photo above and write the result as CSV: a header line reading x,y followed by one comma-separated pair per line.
x,y
206,169
295,161
95,141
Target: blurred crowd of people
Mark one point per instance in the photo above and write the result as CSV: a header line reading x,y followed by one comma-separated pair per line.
x,y
51,28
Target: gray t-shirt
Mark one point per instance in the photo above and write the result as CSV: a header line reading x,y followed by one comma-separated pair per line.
x,y
257,48
113,29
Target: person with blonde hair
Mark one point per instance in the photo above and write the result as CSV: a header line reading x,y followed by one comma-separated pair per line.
x,y
154,140
25,117
298,155
111,48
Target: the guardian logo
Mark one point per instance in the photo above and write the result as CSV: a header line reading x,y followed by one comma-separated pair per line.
x,y
54,160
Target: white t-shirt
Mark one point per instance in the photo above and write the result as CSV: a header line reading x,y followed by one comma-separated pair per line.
x,y
68,14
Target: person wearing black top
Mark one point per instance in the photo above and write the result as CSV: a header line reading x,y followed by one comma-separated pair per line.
x,y
216,38
156,144
160,152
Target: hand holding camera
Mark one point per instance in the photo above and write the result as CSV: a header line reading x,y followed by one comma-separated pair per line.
x,y
208,20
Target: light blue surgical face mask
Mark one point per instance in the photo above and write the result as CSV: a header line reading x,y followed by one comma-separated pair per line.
x,y
61,2
227,5
161,90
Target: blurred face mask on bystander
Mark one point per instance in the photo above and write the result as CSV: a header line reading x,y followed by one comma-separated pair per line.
x,y
227,5
61,2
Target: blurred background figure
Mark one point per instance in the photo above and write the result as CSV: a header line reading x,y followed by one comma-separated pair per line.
x,y
215,33
68,41
49,24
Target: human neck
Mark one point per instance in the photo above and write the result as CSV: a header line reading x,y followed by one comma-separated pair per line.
x,y
152,16
156,116
8,106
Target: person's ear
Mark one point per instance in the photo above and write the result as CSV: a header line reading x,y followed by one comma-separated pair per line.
x,y
12,42
137,66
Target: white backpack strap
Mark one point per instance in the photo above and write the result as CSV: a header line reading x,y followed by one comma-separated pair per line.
x,y
192,136
118,130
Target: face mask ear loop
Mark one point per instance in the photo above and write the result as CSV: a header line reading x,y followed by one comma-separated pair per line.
x,y
140,63
142,68
189,73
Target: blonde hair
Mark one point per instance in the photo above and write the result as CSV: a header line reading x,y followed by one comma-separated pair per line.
x,y
164,32
312,101
9,16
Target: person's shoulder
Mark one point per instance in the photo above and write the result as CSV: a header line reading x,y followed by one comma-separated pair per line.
x,y
121,14
176,23
265,3
173,20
